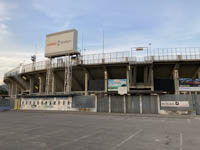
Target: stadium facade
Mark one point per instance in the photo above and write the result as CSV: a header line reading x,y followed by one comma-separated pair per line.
x,y
142,80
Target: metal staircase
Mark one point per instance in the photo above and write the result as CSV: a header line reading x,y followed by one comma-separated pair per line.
x,y
48,87
68,75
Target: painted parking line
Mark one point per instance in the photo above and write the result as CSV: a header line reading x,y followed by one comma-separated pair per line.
x,y
181,141
188,121
127,139
75,140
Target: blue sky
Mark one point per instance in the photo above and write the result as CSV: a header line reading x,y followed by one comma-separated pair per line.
x,y
126,23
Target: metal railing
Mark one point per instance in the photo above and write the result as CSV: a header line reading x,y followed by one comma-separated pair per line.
x,y
133,56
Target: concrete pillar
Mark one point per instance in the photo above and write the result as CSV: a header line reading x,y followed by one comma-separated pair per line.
x,y
41,84
134,75
128,78
31,85
145,75
124,101
9,89
53,83
86,83
105,81
12,89
131,76
152,78
109,103
140,101
16,89
176,81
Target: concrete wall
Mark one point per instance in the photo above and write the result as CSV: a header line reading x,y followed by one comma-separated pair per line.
x,y
56,103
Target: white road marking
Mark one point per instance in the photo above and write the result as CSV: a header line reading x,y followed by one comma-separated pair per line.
x,y
126,140
75,140
181,141
189,121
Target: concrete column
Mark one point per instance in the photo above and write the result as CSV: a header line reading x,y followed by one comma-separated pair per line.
x,y
128,78
41,84
124,101
134,75
53,83
145,75
9,89
16,89
109,103
152,78
131,77
140,100
86,83
176,81
31,85
105,81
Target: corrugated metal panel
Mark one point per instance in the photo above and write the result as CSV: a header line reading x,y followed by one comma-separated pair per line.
x,y
102,103
117,104
197,102
83,102
149,105
132,104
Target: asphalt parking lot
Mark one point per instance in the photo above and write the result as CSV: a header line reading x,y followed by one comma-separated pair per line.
x,y
76,131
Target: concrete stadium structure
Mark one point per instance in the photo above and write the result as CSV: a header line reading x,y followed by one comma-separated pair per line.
x,y
146,75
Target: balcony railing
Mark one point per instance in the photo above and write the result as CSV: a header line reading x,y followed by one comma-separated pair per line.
x,y
133,56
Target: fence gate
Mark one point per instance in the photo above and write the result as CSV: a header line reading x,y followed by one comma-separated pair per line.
x,y
102,103
117,104
149,105
197,102
83,102
132,104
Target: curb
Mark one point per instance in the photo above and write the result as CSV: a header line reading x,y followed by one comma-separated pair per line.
x,y
112,114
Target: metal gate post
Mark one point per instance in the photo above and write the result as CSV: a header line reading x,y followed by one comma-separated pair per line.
x,y
124,101
140,99
109,103
96,99
158,103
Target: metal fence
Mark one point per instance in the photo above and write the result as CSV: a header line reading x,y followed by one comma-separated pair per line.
x,y
83,102
149,105
197,104
117,104
190,98
6,104
146,104
132,104
102,103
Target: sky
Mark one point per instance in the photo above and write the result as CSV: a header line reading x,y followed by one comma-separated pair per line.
x,y
125,23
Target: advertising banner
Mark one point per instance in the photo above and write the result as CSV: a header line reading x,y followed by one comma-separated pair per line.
x,y
61,43
189,84
114,84
175,104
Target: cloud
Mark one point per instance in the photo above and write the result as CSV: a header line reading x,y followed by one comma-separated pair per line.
x,y
10,61
5,9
